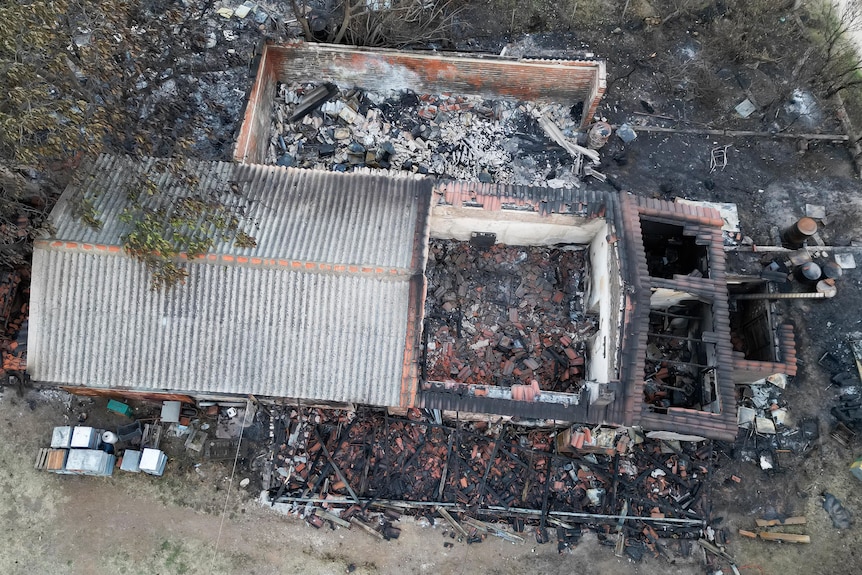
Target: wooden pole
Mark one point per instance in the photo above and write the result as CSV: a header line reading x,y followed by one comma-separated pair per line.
x,y
742,133
336,468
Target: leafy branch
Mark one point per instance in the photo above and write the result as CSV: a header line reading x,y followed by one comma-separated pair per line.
x,y
173,216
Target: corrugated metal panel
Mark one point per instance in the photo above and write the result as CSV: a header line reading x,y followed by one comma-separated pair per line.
x,y
309,215
230,329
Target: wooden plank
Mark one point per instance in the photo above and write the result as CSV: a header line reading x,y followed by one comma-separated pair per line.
x,y
493,530
445,515
715,550
41,458
749,534
787,521
476,524
367,528
788,537
445,468
557,523
330,517
554,133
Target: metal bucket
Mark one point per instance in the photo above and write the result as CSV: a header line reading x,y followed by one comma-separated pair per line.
x,y
832,270
826,288
809,273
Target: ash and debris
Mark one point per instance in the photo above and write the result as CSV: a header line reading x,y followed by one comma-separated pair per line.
x,y
369,468
507,315
675,359
186,95
768,427
450,136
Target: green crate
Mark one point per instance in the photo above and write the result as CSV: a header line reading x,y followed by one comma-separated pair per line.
x,y
119,407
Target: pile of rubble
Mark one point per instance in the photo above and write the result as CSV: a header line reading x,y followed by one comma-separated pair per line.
x,y
771,428
637,493
14,310
504,315
459,137
675,360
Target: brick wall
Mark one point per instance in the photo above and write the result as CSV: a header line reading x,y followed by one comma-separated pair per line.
x,y
561,81
251,145
748,371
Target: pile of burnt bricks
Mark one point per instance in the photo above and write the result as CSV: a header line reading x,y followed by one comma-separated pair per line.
x,y
506,315
346,462
14,312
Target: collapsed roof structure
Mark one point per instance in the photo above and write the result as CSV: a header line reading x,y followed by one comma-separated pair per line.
x,y
343,296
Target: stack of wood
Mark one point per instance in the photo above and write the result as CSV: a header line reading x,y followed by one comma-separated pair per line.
x,y
764,530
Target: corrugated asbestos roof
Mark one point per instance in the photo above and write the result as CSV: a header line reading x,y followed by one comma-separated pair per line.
x,y
319,310
294,214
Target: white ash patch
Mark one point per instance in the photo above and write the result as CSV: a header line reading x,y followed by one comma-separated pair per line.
x,y
464,138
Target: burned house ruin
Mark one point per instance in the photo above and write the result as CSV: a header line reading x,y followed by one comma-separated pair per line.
x,y
479,291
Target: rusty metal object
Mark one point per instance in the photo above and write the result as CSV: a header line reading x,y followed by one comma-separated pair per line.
x,y
800,232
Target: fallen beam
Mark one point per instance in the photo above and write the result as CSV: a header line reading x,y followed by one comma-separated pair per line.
x,y
493,510
742,133
445,472
715,550
445,515
330,517
367,528
557,136
493,530
335,466
780,249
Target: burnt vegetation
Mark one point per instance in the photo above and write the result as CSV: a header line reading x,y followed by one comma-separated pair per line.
x,y
390,23
84,77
